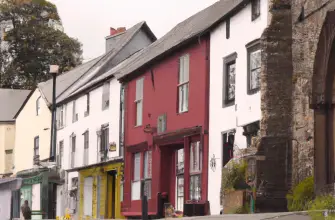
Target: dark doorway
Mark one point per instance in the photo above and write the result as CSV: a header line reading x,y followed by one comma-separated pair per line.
x,y
52,200
111,185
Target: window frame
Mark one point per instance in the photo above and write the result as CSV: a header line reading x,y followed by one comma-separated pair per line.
x,y
252,47
36,146
255,9
224,142
180,175
87,112
38,106
228,28
86,135
147,178
139,94
196,173
104,138
105,94
73,150
227,61
60,152
136,177
74,111
182,84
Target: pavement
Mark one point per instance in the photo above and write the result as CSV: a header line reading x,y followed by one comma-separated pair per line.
x,y
262,216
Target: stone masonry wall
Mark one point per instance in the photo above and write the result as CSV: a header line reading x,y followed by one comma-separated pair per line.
x,y
305,36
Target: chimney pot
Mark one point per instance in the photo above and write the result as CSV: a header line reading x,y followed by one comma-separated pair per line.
x,y
113,31
121,30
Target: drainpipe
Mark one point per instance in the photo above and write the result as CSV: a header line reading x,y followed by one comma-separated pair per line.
x,y
54,72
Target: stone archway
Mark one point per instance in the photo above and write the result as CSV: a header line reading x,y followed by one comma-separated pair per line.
x,y
323,91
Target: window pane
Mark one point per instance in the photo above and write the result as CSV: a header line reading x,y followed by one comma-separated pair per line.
x,y
139,113
195,187
195,157
148,164
184,67
231,81
136,190
137,166
255,59
183,97
254,79
88,195
147,188
180,161
139,89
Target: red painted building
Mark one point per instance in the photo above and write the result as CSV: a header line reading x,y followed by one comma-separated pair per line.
x,y
166,99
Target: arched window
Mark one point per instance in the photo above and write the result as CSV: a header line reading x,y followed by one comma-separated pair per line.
x,y
38,106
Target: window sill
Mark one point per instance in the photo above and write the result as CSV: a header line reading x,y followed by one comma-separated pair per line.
x,y
228,103
253,91
255,17
138,126
179,113
195,173
60,128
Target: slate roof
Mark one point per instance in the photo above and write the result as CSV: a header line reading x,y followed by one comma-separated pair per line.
x,y
76,78
8,179
197,25
11,101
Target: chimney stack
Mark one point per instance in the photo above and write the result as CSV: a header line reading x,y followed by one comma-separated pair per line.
x,y
114,31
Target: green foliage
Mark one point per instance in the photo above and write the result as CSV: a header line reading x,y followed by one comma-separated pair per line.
x,y
34,43
322,203
245,209
302,194
234,174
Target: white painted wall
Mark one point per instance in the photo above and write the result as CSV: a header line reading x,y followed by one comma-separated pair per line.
x,y
221,119
36,197
5,203
93,123
28,126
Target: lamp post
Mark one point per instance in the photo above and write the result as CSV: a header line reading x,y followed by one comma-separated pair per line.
x,y
54,71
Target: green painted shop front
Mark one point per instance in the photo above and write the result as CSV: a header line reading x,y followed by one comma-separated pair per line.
x,y
39,189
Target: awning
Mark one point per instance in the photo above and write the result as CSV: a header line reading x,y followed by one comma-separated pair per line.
x,y
113,160
10,183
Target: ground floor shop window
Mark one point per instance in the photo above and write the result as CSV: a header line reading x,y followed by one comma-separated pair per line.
x,y
136,183
88,186
195,170
180,180
147,173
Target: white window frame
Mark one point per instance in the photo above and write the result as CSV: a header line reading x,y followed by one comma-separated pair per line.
x,y
86,147
73,150
136,179
196,170
139,101
61,116
74,111
183,83
105,95
38,106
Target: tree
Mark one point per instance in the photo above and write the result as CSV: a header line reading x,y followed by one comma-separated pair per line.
x,y
33,42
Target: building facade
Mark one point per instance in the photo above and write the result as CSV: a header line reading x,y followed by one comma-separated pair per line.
x,y
89,131
235,103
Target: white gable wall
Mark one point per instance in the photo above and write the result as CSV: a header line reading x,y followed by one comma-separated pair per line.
x,y
28,126
222,119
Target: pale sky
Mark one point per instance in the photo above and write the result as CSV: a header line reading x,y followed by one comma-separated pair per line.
x,y
90,20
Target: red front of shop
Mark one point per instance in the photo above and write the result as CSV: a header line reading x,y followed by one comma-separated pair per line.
x,y
172,161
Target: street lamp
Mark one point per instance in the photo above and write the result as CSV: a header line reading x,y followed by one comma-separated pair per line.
x,y
54,71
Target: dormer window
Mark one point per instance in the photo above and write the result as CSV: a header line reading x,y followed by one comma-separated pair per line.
x,y
38,106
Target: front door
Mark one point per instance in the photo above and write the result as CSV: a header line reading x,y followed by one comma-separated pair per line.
x,y
111,184
26,194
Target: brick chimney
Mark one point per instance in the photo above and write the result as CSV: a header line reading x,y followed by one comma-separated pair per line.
x,y
113,36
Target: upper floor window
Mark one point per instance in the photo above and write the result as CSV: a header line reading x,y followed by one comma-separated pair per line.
x,y
183,83
255,9
61,116
147,173
73,150
139,101
86,147
104,142
136,183
105,96
74,112
60,154
228,28
38,106
36,146
229,79
87,111
254,66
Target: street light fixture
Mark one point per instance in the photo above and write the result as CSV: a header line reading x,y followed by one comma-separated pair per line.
x,y
54,69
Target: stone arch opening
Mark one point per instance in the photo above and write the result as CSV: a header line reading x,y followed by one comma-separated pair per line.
x,y
323,94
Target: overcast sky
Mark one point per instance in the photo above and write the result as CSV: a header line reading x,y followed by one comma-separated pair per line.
x,y
90,20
